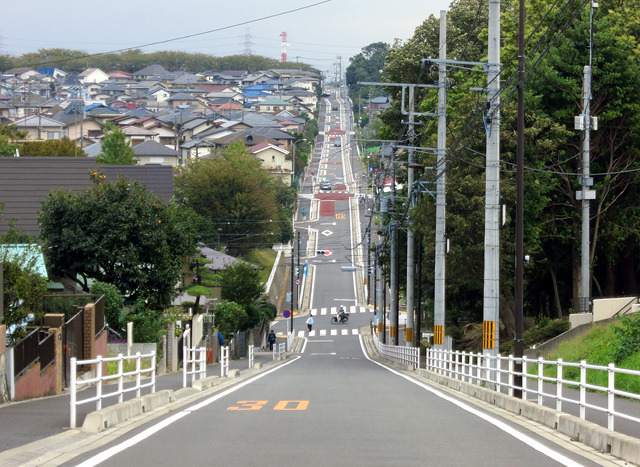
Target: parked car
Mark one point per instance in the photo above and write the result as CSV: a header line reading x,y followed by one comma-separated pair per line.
x,y
337,143
325,184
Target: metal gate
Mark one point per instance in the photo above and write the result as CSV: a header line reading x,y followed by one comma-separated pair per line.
x,y
71,343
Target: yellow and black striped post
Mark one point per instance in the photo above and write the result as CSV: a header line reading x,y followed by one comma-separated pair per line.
x,y
489,335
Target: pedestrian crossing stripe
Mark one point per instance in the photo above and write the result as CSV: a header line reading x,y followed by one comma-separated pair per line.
x,y
334,310
332,332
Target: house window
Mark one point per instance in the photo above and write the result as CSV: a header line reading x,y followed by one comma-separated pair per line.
x,y
53,135
273,158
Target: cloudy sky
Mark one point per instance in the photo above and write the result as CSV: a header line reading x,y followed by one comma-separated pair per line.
x,y
317,34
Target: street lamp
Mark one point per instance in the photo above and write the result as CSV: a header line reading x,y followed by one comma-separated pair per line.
x,y
293,161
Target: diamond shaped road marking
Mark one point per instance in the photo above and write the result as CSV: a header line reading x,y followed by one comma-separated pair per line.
x,y
326,233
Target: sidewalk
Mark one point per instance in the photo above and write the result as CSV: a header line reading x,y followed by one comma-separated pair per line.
x,y
32,420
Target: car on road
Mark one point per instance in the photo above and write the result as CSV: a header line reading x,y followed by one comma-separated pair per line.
x,y
337,143
335,107
325,184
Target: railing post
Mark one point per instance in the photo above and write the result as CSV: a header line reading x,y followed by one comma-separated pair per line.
x,y
99,383
72,393
185,358
510,375
203,362
583,389
153,371
137,374
559,385
611,395
540,380
524,377
120,379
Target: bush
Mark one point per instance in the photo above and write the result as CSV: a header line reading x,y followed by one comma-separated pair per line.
x,y
628,337
113,301
149,325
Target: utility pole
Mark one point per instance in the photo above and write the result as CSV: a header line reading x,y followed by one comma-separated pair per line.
x,y
298,274
410,238
441,180
491,297
293,273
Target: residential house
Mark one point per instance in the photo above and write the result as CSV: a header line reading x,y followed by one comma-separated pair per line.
x,y
77,125
195,149
57,74
273,158
225,106
119,75
150,72
22,73
39,127
273,105
377,105
151,152
93,75
182,99
136,135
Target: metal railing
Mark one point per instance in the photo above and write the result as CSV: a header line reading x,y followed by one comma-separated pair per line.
x,y
194,363
398,353
224,361
250,356
499,372
120,376
290,339
279,350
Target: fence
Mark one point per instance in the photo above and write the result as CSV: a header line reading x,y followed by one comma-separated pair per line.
x,y
224,361
499,372
99,315
71,343
279,350
250,356
290,339
39,345
120,376
398,353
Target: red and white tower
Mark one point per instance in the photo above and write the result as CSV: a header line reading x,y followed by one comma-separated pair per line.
x,y
283,55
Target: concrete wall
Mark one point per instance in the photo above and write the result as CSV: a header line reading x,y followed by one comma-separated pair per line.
x,y
578,319
4,390
604,308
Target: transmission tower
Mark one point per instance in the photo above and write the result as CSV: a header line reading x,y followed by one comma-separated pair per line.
x,y
248,42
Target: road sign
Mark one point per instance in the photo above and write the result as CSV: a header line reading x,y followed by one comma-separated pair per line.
x,y
286,314
297,281
304,269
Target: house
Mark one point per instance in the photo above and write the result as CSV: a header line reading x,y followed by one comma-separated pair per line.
x,y
22,73
150,152
136,135
273,158
39,127
26,181
180,99
77,125
93,75
273,105
225,106
119,75
56,73
149,72
377,105
195,149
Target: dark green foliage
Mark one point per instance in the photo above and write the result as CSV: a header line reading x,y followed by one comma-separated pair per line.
x,y
119,233
51,148
113,302
230,318
628,334
149,324
241,284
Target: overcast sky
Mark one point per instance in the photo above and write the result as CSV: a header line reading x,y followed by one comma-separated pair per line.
x,y
317,35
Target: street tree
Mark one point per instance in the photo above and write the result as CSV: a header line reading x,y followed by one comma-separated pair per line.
x,y
241,284
230,318
120,233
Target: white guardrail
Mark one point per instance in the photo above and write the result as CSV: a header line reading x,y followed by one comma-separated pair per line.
x,y
499,371
99,380
398,353
279,350
251,356
194,363
290,339
224,361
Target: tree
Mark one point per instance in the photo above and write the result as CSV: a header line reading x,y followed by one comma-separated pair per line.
x,y
249,206
229,319
51,148
115,150
241,284
8,134
113,302
119,233
366,66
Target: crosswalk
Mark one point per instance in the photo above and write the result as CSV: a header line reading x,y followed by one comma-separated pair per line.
x,y
334,310
328,332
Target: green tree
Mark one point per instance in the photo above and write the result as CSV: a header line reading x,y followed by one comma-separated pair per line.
x,y
249,206
113,302
51,148
366,66
229,319
115,150
8,134
119,233
241,284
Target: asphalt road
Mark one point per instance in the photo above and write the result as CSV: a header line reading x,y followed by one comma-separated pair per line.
x,y
332,405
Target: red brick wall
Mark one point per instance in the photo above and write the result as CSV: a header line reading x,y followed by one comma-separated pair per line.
x,y
32,384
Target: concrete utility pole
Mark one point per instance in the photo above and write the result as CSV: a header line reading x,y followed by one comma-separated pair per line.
x,y
491,299
441,180
410,238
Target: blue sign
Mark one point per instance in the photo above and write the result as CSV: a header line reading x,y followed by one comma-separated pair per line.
x,y
304,269
286,313
370,169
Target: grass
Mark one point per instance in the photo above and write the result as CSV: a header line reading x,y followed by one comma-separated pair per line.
x,y
127,366
597,347
264,257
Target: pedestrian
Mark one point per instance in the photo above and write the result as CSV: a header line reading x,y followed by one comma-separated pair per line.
x,y
271,339
310,321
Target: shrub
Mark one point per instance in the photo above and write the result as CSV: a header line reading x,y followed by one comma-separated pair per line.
x,y
113,301
628,337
